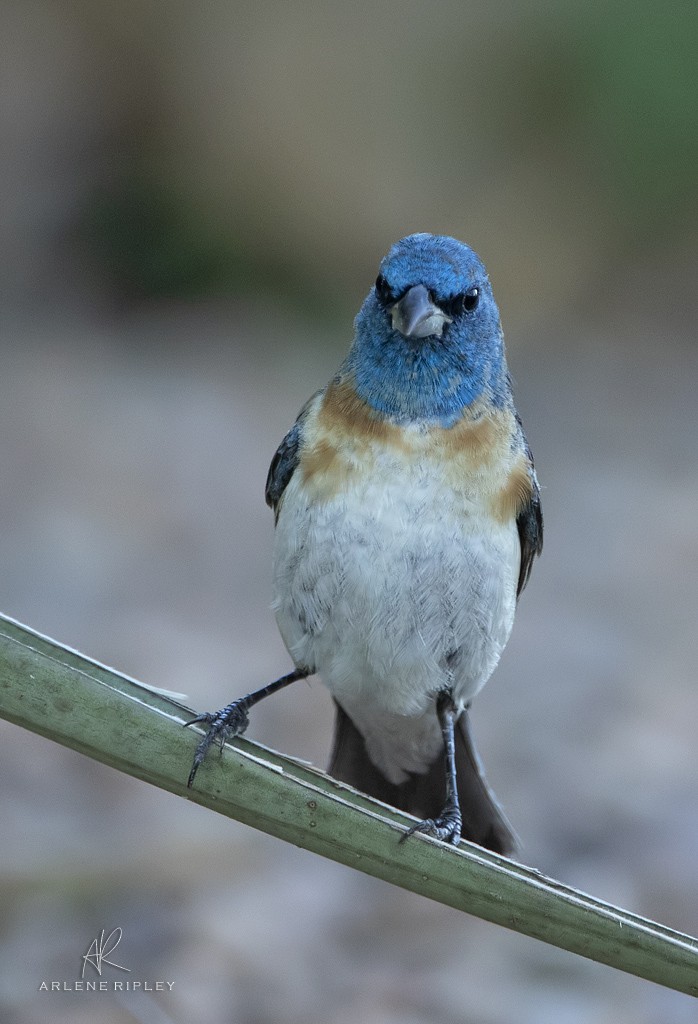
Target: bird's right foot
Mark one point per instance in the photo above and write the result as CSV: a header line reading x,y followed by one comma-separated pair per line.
x,y
223,725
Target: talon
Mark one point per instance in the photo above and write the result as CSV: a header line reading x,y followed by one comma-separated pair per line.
x,y
447,828
223,725
194,768
421,826
206,716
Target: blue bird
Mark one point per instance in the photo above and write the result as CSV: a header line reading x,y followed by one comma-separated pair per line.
x,y
408,516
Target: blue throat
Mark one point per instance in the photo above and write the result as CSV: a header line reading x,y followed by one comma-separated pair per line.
x,y
433,380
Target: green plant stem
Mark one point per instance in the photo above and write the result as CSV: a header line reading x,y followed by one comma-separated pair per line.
x,y
72,700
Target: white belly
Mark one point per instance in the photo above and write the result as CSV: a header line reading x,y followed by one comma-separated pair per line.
x,y
393,591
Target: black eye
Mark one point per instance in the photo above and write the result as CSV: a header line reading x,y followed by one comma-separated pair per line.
x,y
465,302
383,292
471,299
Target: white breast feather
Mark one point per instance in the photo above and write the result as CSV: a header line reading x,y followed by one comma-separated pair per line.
x,y
392,590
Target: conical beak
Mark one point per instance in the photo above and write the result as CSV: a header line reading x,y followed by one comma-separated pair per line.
x,y
416,316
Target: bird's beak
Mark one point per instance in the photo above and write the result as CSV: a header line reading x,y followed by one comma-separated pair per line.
x,y
416,316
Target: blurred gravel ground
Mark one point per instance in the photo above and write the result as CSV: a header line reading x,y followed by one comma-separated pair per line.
x,y
133,460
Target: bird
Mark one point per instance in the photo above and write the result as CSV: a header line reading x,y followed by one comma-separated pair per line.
x,y
407,518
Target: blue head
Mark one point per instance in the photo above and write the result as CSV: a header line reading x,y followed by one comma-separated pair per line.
x,y
428,339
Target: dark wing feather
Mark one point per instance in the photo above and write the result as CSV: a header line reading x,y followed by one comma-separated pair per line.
x,y
285,460
529,521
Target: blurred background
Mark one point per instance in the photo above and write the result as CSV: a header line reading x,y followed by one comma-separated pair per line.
x,y
195,199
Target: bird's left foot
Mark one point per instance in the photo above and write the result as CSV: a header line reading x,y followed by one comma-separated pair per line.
x,y
446,827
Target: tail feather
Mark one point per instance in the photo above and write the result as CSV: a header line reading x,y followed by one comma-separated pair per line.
x,y
484,822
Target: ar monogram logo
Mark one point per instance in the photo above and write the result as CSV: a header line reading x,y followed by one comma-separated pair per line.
x,y
100,949
98,956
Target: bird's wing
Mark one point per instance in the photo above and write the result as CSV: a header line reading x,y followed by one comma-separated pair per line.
x,y
529,522
285,460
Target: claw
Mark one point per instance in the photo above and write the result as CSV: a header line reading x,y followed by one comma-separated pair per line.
x,y
207,717
447,828
232,721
